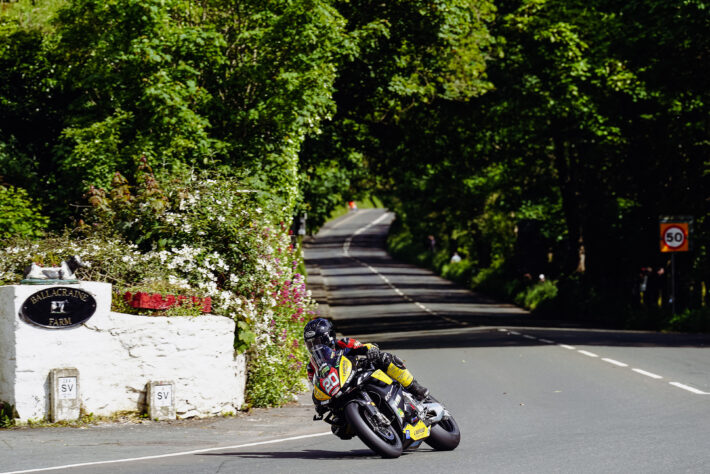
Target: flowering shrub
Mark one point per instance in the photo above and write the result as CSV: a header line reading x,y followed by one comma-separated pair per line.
x,y
204,234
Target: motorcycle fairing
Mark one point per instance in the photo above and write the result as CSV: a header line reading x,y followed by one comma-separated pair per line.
x,y
416,432
319,394
406,418
381,376
346,370
332,376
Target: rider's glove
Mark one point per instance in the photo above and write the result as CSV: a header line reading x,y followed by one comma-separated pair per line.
x,y
320,409
373,352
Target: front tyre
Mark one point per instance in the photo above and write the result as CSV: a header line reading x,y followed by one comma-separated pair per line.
x,y
445,435
382,439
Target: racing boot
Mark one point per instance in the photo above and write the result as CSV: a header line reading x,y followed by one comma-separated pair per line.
x,y
419,391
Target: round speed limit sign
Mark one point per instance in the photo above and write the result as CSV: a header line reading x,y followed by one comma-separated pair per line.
x,y
674,237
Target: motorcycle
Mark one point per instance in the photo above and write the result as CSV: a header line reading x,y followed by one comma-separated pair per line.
x,y
360,400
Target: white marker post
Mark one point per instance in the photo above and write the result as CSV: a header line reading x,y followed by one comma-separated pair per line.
x,y
160,397
65,404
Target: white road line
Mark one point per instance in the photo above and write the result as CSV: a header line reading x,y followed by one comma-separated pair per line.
x,y
690,389
526,336
615,362
565,346
587,353
346,252
348,241
502,330
170,455
547,341
647,374
514,333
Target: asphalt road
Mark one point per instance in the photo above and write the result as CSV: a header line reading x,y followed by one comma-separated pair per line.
x,y
530,396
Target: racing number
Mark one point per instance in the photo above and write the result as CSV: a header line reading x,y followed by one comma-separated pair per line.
x,y
330,383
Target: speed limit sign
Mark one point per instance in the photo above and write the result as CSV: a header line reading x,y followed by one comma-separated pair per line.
x,y
674,236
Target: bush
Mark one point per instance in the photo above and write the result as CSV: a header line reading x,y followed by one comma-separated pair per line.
x,y
205,235
213,235
19,216
494,280
460,272
691,320
537,295
7,415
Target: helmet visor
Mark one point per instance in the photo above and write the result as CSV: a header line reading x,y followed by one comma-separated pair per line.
x,y
320,340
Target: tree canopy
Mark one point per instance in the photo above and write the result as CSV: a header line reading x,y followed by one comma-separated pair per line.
x,y
532,136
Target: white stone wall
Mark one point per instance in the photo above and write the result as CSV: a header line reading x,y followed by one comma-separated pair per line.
x,y
117,355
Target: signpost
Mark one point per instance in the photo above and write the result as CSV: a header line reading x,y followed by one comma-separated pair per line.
x,y
675,237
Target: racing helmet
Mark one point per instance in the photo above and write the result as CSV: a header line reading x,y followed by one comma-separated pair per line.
x,y
319,332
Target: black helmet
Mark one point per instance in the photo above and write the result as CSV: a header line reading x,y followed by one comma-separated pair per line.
x,y
319,332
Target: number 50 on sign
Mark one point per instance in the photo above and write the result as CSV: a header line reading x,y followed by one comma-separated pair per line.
x,y
675,236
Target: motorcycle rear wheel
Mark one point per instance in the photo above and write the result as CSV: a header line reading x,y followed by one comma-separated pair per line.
x,y
445,435
381,439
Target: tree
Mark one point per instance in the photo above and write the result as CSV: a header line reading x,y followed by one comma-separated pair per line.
x,y
402,56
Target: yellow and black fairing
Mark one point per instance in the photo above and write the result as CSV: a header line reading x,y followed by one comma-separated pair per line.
x,y
330,381
342,367
388,397
338,383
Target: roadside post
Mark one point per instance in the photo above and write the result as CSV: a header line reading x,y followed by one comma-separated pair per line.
x,y
160,396
65,398
675,232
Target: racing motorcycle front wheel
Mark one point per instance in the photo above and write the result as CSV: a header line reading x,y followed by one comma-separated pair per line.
x,y
380,437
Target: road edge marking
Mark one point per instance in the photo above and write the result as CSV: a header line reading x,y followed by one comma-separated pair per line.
x,y
160,456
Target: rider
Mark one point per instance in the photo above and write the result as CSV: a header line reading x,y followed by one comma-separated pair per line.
x,y
320,331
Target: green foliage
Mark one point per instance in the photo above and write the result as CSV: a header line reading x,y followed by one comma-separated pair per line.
x,y
245,336
89,88
403,60
691,320
198,234
563,168
19,216
30,13
214,236
536,295
112,260
134,72
7,415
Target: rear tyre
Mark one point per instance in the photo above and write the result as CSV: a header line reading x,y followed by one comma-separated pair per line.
x,y
445,435
382,439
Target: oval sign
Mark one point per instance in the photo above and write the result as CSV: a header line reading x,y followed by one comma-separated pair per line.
x,y
59,307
